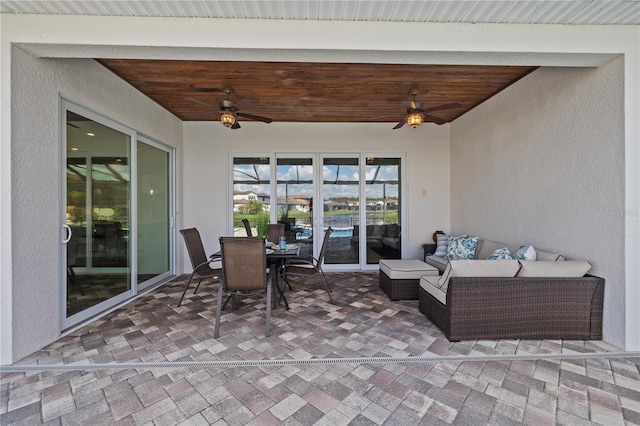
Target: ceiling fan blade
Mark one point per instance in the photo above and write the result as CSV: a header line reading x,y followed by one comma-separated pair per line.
x,y
243,104
198,101
400,124
211,89
409,104
72,125
433,119
254,117
441,107
236,125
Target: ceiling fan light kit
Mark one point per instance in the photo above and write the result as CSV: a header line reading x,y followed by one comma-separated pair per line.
x,y
227,119
414,120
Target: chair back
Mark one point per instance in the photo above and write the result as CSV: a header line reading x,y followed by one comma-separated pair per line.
x,y
275,231
194,246
324,245
244,263
247,227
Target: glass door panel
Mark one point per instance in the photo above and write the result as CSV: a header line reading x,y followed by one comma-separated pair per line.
x,y
98,201
251,194
294,192
382,191
154,213
341,207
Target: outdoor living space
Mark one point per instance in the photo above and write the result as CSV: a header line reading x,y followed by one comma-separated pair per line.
x,y
363,360
551,160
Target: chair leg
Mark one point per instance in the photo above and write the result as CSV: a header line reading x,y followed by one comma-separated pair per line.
x,y
216,331
226,301
326,284
269,296
197,286
185,290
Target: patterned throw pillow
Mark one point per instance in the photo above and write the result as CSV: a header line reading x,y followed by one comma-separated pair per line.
x,y
525,253
461,247
441,248
500,254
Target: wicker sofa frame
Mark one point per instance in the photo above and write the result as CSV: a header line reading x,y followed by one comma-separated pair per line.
x,y
518,308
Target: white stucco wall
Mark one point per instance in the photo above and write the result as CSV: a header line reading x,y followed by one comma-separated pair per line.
x,y
206,148
542,163
36,167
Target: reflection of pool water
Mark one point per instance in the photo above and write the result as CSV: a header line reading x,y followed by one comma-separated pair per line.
x,y
337,232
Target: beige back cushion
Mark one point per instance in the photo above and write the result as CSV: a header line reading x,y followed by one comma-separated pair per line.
x,y
551,268
478,268
486,247
545,255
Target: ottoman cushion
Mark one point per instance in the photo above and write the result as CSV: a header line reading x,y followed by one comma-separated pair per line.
x,y
406,269
400,279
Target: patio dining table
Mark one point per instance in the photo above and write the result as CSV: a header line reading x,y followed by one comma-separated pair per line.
x,y
276,259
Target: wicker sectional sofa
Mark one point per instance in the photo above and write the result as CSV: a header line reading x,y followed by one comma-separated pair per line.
x,y
512,299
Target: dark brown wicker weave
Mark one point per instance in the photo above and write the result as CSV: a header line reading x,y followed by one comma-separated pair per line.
x,y
202,267
244,270
518,308
398,289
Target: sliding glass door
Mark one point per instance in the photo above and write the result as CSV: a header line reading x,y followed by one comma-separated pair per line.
x,y
98,208
294,194
383,209
118,214
154,213
341,208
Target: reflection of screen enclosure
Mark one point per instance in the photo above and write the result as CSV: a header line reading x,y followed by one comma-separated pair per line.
x,y
294,193
251,194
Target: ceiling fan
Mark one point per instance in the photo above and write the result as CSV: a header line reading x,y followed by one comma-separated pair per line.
x,y
416,115
229,111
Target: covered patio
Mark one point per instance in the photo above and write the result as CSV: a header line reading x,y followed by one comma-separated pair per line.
x,y
362,360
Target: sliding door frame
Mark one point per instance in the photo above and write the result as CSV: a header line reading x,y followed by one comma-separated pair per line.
x,y
77,319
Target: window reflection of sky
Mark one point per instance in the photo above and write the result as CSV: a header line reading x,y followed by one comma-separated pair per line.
x,y
251,177
340,180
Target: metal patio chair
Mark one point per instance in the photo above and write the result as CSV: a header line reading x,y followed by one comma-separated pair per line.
x,y
308,266
244,271
202,268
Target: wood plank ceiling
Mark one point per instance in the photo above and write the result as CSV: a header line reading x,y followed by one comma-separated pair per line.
x,y
313,92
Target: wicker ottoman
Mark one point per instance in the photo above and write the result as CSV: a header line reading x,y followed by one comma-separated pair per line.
x,y
400,279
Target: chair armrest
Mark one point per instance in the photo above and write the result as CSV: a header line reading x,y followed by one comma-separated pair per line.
x,y
429,249
302,260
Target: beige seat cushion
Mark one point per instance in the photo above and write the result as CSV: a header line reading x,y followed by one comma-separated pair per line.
x,y
406,269
431,286
551,268
478,268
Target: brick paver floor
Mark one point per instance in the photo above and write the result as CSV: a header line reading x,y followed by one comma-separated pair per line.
x,y
324,364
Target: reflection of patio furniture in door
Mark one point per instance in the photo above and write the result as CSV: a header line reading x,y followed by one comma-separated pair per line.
x,y
309,267
275,231
78,234
109,243
247,227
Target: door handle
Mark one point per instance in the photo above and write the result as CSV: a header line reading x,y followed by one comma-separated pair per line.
x,y
69,233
